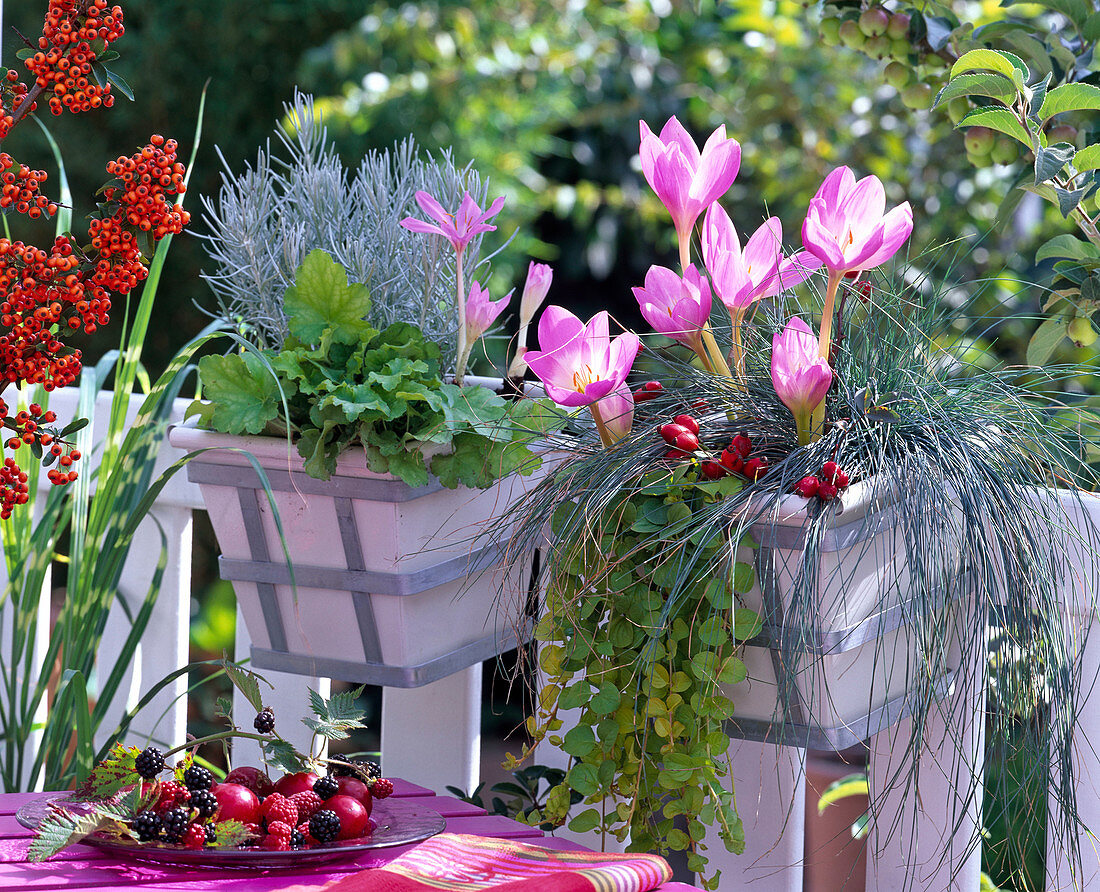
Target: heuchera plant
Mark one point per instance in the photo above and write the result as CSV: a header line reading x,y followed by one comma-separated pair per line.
x,y
48,294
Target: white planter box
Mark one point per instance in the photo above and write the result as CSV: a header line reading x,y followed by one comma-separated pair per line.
x,y
864,651
396,585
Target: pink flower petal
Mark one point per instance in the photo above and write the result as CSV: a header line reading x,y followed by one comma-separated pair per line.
x,y
673,133
897,226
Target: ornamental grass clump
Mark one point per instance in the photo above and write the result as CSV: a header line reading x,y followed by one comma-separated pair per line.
x,y
688,544
358,317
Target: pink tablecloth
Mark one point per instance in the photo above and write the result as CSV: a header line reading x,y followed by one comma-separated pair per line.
x,y
83,867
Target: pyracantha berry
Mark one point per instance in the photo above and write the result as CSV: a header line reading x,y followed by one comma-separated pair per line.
x,y
326,787
195,777
149,763
381,788
264,723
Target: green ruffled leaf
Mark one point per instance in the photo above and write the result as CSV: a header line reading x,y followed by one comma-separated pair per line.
x,y
321,300
244,395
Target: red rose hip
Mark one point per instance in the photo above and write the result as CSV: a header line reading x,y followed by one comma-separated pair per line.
x,y
236,803
353,815
289,784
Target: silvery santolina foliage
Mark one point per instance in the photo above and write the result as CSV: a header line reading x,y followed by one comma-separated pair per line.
x,y
267,219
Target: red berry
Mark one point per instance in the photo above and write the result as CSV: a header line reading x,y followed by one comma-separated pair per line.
x,y
826,492
841,480
353,815
807,487
648,391
172,794
732,461
742,445
382,788
828,470
275,843
687,421
669,432
277,807
307,803
236,803
712,470
289,784
194,837
253,778
755,468
278,828
686,441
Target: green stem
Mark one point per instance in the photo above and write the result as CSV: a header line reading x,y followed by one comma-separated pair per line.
x,y
463,347
717,363
605,435
737,316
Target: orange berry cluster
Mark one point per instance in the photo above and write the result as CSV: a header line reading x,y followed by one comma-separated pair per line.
x,y
148,179
30,429
19,188
12,96
13,487
63,64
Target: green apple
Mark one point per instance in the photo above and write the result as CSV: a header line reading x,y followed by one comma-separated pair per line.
x,y
897,75
874,21
957,109
898,29
900,49
1005,151
917,96
980,140
830,31
851,36
1081,332
1062,133
877,47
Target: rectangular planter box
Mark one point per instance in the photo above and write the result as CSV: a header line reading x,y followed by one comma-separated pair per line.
x,y
396,585
863,652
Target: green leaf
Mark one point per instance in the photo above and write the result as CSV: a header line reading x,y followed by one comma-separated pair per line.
x,y
589,819
283,756
746,623
744,577
1067,245
111,775
606,700
583,779
1070,97
244,395
1049,160
579,741
999,119
995,86
118,81
223,708
247,682
230,834
1088,158
1046,338
321,300
1009,65
1091,29
62,828
1077,11
336,716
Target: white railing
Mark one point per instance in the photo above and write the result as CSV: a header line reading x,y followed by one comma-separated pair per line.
x,y
432,734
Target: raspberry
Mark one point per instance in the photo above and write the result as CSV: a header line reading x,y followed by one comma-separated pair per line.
x,y
205,802
149,763
147,826
194,837
308,804
253,830
264,723
326,787
325,825
382,788
275,843
172,794
195,777
278,828
175,823
277,808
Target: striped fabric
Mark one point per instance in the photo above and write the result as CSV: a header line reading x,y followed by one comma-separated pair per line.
x,y
454,862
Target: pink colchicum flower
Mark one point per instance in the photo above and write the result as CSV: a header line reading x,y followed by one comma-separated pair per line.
x,y
458,228
687,181
800,376
482,311
848,228
535,289
617,412
580,364
742,277
675,305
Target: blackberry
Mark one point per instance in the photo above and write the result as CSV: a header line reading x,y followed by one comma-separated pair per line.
x,y
147,826
297,840
211,834
325,825
373,769
149,763
326,787
264,722
205,802
195,777
363,769
175,823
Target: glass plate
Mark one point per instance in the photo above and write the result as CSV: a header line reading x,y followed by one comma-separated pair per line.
x,y
396,822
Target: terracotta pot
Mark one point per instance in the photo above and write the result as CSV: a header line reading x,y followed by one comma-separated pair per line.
x,y
396,585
